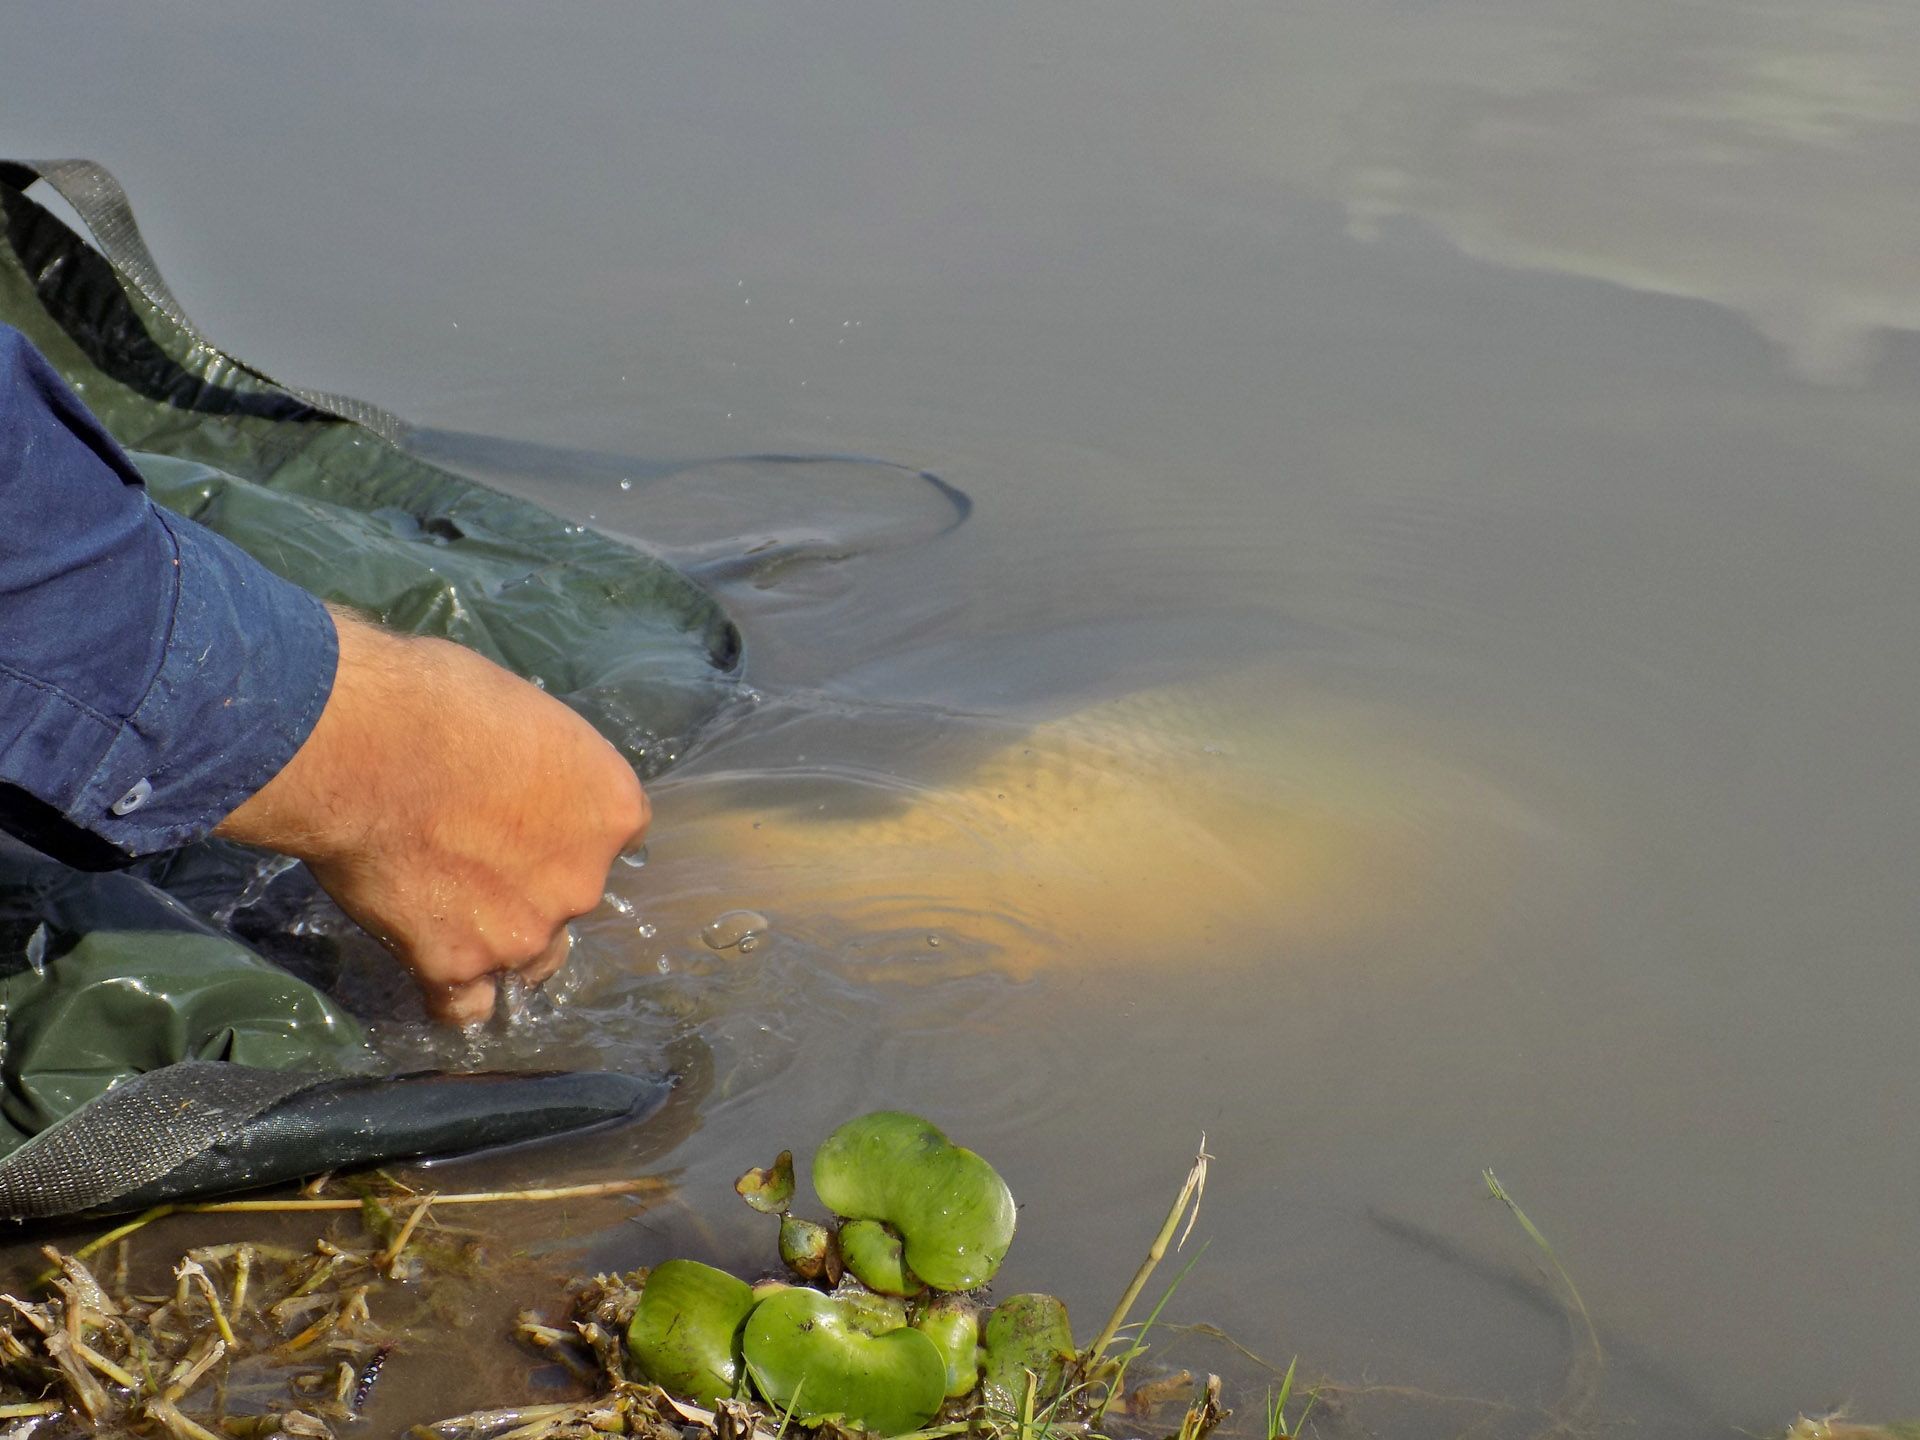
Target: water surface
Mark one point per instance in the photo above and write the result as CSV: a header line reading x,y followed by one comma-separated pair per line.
x,y
1426,682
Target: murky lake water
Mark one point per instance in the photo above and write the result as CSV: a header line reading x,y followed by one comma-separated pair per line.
x,y
1428,681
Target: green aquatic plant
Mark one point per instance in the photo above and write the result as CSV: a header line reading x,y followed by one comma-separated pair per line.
x,y
686,1331
1115,1378
770,1191
1186,1205
876,1256
824,1358
1278,1427
807,1249
952,1322
952,1211
899,1342
1025,1336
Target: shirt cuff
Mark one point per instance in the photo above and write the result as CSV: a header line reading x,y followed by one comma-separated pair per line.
x,y
247,668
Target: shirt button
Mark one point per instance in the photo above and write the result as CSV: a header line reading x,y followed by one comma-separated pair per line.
x,y
141,792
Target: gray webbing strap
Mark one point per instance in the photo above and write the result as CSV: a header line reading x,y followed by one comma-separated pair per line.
x,y
96,197
137,1132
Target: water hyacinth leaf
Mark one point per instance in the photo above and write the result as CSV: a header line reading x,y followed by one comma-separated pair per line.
x,y
770,1191
952,1322
822,1357
685,1332
1025,1333
875,1314
874,1256
950,1207
806,1248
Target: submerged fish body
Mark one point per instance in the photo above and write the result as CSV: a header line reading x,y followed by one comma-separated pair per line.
x,y
1167,824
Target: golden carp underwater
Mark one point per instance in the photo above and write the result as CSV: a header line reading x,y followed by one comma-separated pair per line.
x,y
1222,820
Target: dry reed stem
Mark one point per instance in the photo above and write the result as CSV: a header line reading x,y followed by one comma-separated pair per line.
x,y
191,1269
177,1424
242,1273
105,1366
189,1371
388,1260
1190,1193
640,1185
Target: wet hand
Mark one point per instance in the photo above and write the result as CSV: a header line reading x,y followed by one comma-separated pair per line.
x,y
457,813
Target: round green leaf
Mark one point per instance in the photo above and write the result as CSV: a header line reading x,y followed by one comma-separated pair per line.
x,y
824,1358
685,1333
873,1255
952,1322
1024,1333
951,1208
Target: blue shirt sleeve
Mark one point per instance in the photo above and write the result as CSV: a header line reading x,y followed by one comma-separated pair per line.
x,y
152,675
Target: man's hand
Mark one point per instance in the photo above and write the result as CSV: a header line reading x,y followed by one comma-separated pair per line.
x,y
459,814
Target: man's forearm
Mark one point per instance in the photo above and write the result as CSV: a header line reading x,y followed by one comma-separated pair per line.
x,y
152,675
155,682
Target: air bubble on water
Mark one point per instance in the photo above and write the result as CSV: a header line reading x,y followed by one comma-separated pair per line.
x,y
736,930
934,941
626,484
646,931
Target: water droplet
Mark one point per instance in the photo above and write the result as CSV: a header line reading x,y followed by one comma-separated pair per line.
x,y
934,941
634,859
626,484
735,930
